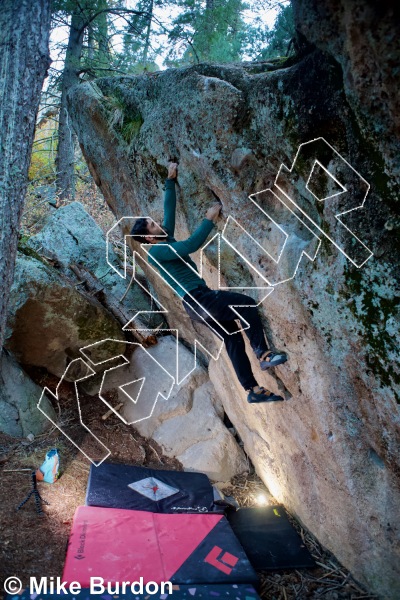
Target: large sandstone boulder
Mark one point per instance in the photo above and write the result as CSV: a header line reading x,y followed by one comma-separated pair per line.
x,y
330,453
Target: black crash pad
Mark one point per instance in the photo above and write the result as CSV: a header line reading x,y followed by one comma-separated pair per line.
x,y
138,488
269,539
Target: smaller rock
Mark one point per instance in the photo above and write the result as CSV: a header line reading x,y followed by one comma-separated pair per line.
x,y
49,321
19,396
189,424
71,235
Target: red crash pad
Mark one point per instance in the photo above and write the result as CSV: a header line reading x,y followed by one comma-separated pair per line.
x,y
124,545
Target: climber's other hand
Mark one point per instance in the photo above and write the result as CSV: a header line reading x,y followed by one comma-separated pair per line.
x,y
213,213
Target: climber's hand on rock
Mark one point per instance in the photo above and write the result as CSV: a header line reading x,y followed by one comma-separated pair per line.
x,y
172,170
213,213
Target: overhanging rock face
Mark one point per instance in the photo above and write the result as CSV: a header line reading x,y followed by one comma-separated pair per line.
x,y
331,452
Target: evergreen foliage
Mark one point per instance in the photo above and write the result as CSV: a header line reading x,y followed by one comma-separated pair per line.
x,y
113,37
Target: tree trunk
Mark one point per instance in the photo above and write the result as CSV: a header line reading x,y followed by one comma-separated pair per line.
x,y
209,27
66,137
103,51
24,60
148,31
90,35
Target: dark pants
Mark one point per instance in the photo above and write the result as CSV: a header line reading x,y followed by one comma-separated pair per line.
x,y
216,302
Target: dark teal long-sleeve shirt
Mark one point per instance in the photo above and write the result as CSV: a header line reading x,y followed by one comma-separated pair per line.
x,y
180,273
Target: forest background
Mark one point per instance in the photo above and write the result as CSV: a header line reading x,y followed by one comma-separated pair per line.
x,y
97,38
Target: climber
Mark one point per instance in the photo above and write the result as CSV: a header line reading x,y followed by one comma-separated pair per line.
x,y
203,301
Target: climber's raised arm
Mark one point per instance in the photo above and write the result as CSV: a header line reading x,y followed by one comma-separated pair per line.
x,y
170,200
191,244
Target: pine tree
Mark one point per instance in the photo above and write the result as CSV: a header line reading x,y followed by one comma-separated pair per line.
x,y
24,60
214,32
278,38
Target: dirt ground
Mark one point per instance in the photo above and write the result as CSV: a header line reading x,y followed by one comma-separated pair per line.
x,y
36,546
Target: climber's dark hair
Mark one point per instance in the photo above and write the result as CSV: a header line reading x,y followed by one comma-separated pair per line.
x,y
139,230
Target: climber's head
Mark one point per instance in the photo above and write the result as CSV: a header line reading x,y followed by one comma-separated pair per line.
x,y
147,231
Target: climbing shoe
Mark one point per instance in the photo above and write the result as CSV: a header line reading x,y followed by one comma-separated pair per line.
x,y
272,359
262,396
